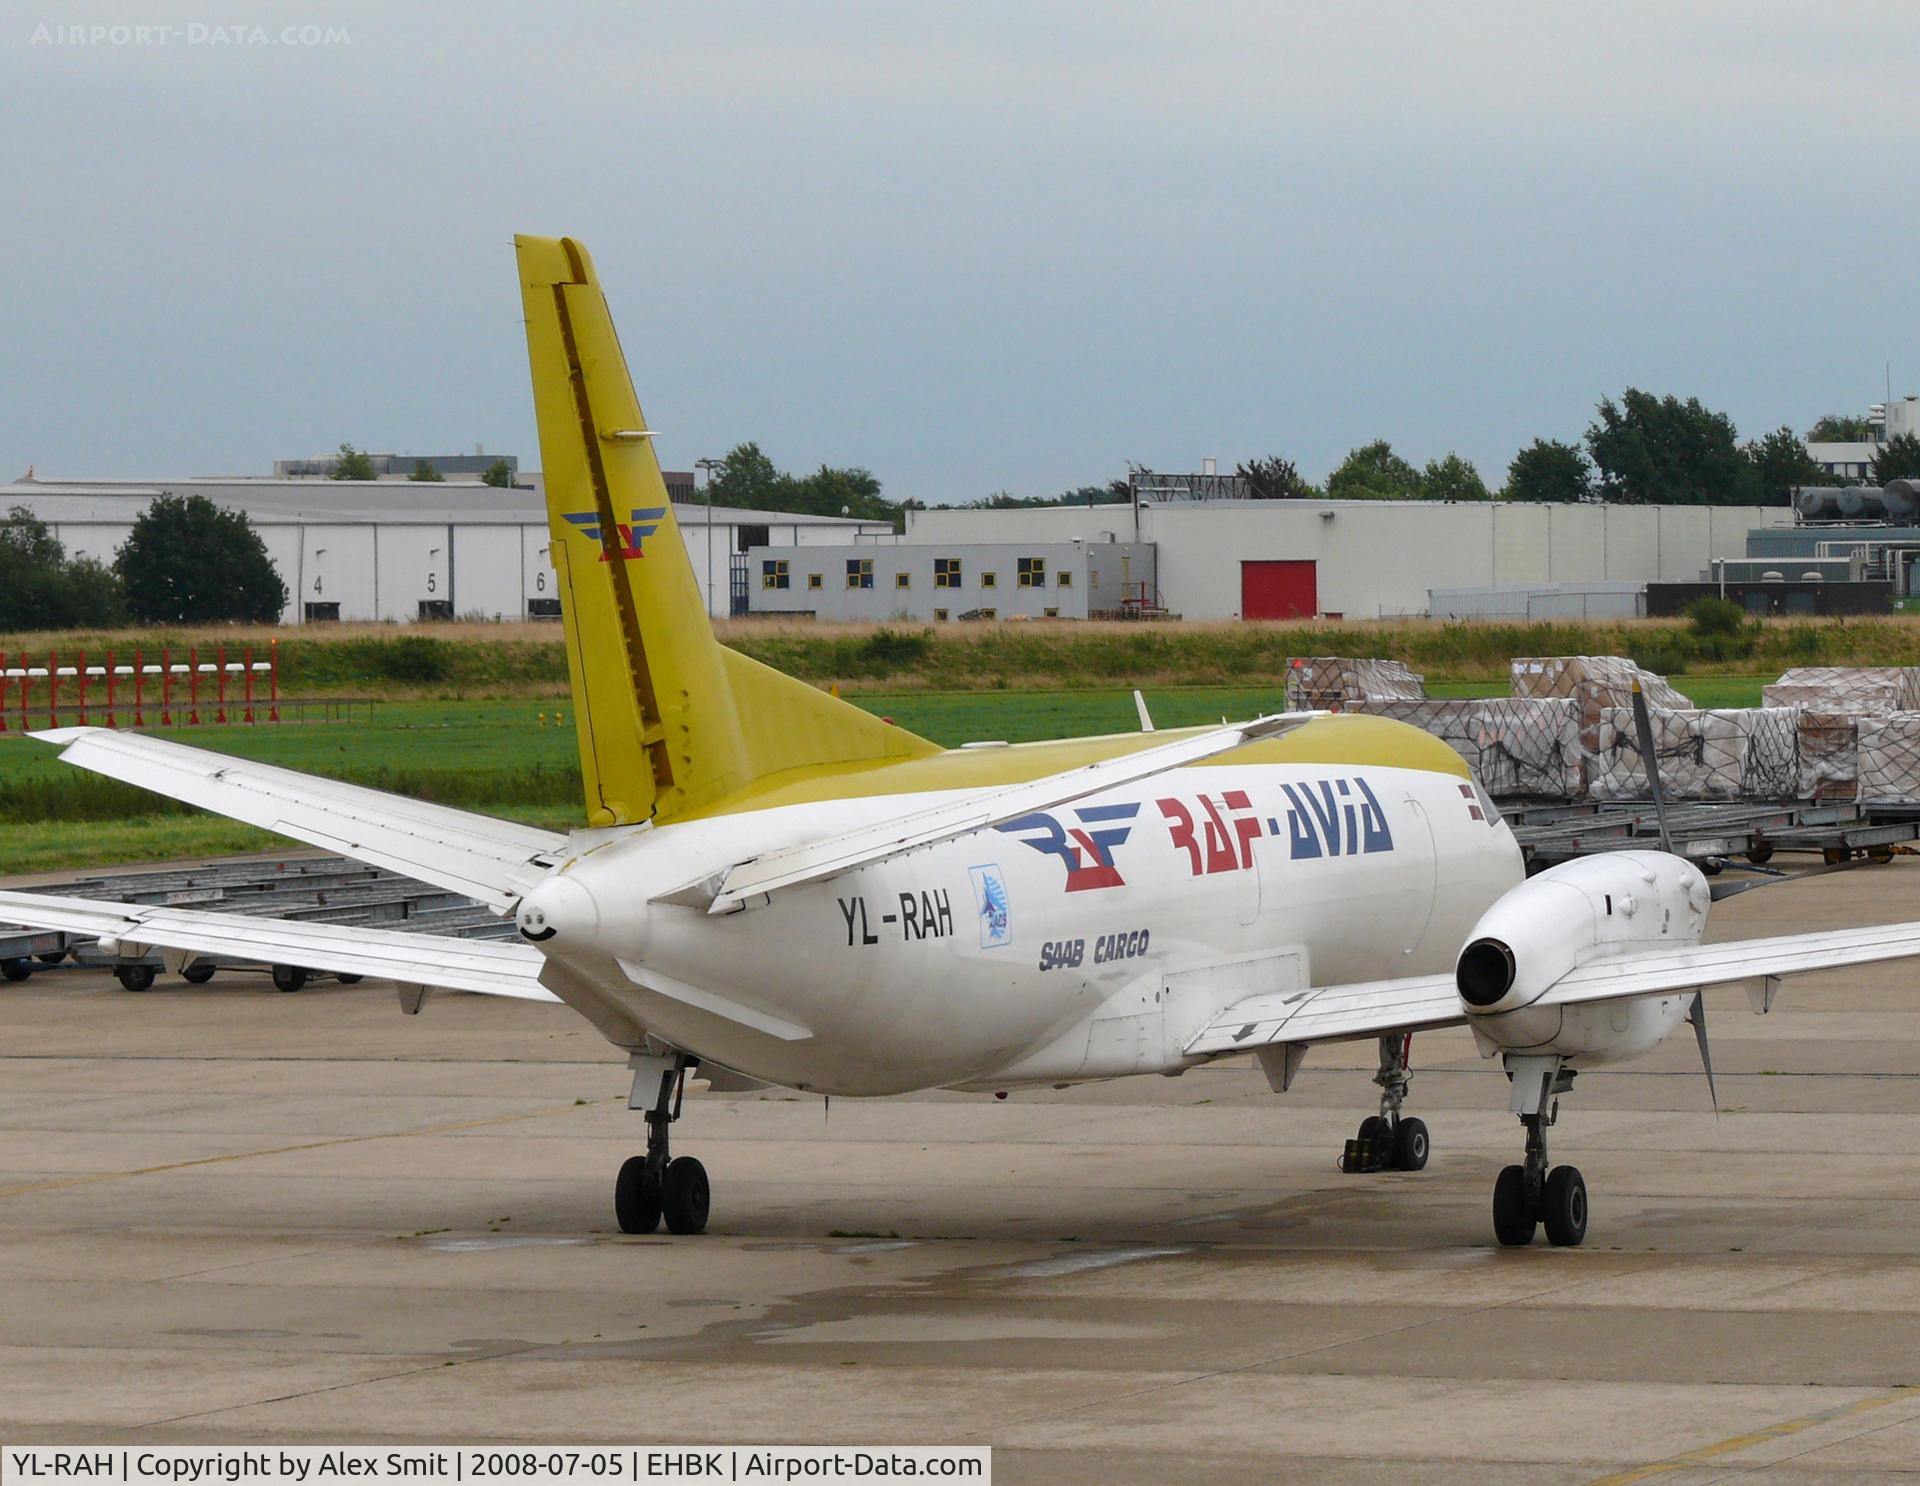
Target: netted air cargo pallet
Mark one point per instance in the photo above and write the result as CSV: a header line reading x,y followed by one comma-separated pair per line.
x,y
1744,753
1829,754
1516,746
1854,690
1595,683
1338,682
1890,759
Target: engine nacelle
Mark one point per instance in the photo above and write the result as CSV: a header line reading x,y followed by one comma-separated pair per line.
x,y
1582,910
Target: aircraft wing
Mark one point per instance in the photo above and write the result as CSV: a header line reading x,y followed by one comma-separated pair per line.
x,y
1380,1007
810,861
495,861
489,967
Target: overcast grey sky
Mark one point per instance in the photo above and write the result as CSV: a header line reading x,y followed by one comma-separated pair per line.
x,y
971,246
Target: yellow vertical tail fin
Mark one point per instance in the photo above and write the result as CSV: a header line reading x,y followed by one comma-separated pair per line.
x,y
669,721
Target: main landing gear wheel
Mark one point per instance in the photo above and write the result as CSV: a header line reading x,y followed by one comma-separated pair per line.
x,y
686,1196
1531,1194
135,977
636,1196
1388,1142
1564,1207
1513,1218
1410,1145
659,1185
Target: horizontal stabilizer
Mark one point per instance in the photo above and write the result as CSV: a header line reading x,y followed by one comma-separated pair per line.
x,y
488,967
811,861
495,861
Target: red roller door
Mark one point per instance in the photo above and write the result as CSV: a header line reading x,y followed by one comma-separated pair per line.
x,y
1288,589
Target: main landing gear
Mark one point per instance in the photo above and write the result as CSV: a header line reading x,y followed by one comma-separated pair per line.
x,y
1534,1194
1386,1141
658,1185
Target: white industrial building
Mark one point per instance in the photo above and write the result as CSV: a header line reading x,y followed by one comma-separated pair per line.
x,y
1854,460
981,580
387,550
1286,559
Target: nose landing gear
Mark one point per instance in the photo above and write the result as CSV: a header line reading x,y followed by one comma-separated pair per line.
x,y
659,1185
1536,1194
1386,1141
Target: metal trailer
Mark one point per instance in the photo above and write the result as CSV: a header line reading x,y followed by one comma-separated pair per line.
x,y
323,890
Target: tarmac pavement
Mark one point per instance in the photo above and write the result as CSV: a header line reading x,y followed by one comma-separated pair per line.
x,y
228,1214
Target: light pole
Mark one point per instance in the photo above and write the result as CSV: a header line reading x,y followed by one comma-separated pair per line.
x,y
709,466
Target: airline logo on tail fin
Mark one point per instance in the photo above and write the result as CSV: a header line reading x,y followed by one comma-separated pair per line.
x,y
644,522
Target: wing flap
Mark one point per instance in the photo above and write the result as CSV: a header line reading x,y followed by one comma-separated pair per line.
x,y
489,967
495,861
810,861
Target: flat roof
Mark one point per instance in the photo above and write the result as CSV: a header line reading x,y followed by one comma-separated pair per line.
x,y
350,502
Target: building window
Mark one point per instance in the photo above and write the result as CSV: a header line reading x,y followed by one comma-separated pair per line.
x,y
901,580
773,573
989,580
1049,613
946,572
940,615
750,536
1063,578
986,613
1033,572
326,613
859,572
816,580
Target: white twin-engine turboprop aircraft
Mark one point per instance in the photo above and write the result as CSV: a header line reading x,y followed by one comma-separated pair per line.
x,y
774,886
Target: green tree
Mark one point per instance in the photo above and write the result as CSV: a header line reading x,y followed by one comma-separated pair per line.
x,y
1780,462
499,475
1898,459
424,472
747,478
186,561
42,588
1547,470
1452,478
1839,428
352,464
1276,478
1661,450
1374,472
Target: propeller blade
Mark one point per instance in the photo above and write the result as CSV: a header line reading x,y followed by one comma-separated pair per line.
x,y
1643,729
1718,891
1698,1016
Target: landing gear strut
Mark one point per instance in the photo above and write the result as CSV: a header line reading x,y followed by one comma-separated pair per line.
x,y
659,1185
1534,1193
1386,1141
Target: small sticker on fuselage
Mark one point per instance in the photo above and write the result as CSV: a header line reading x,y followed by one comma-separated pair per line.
x,y
991,903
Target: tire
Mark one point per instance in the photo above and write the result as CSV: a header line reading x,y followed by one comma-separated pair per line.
x,y
1375,1131
16,970
1410,1145
348,980
685,1196
1880,855
1711,866
135,977
636,1197
1565,1201
288,977
197,975
1513,1219
1761,854
52,959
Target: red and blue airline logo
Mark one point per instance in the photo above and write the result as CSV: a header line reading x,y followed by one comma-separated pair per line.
x,y
643,523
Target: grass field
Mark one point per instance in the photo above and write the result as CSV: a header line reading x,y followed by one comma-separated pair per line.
x,y
522,661
519,759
